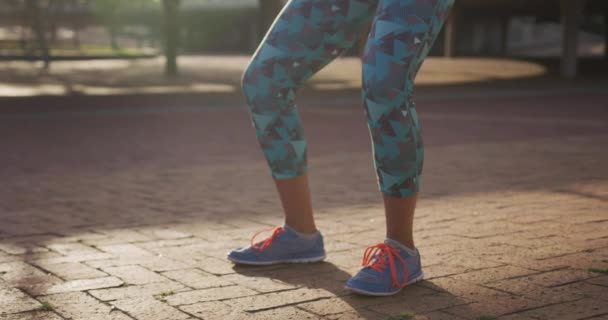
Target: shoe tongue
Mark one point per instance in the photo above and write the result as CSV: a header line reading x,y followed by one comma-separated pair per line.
x,y
403,250
288,228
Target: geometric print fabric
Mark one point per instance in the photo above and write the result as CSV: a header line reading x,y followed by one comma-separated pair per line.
x,y
309,34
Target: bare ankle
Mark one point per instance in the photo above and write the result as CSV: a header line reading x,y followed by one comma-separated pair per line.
x,y
304,228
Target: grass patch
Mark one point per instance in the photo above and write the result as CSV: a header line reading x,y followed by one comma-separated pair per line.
x,y
588,250
46,307
402,316
65,49
161,296
487,318
596,270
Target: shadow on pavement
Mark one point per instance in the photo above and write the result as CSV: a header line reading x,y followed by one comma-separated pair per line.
x,y
415,299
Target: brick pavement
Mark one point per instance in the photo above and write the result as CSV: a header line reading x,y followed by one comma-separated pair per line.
x,y
128,214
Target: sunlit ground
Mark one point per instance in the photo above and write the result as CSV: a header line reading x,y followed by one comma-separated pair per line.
x,y
130,210
217,74
124,213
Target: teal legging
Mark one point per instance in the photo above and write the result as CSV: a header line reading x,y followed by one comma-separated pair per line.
x,y
309,34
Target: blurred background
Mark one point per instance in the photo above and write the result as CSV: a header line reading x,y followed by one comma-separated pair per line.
x,y
35,35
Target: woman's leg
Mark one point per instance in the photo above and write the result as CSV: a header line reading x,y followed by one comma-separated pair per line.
x,y
402,34
297,205
399,214
307,35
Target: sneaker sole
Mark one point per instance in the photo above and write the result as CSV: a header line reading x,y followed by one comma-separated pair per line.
x,y
385,294
267,263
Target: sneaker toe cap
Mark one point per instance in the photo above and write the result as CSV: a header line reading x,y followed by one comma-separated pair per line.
x,y
242,254
367,283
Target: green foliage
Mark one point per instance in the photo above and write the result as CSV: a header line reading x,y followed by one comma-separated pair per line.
x,y
46,306
166,293
163,295
217,28
596,270
115,14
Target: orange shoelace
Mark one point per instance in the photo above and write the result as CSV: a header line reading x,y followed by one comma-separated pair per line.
x,y
376,257
268,241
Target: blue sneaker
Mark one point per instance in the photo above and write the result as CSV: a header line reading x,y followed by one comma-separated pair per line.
x,y
386,270
283,246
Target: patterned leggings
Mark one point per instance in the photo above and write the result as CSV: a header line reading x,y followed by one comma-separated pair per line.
x,y
309,34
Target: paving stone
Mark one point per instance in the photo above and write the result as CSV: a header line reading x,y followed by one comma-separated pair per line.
x,y
559,277
215,266
73,235
420,303
211,310
464,290
337,246
525,287
162,233
584,308
151,245
18,270
286,272
137,291
117,236
439,315
587,289
259,284
515,316
332,281
359,315
468,263
25,276
77,285
4,258
442,270
149,309
277,299
600,281
135,274
81,306
339,305
124,249
72,270
20,248
72,248
492,274
34,315
72,258
281,313
13,301
154,263
197,279
493,308
190,297
581,260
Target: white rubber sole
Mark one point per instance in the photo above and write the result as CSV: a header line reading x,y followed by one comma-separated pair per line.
x,y
267,263
385,294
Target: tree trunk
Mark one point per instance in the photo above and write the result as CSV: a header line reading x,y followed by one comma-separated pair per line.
x,y
606,35
37,25
76,37
113,32
171,34
269,9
